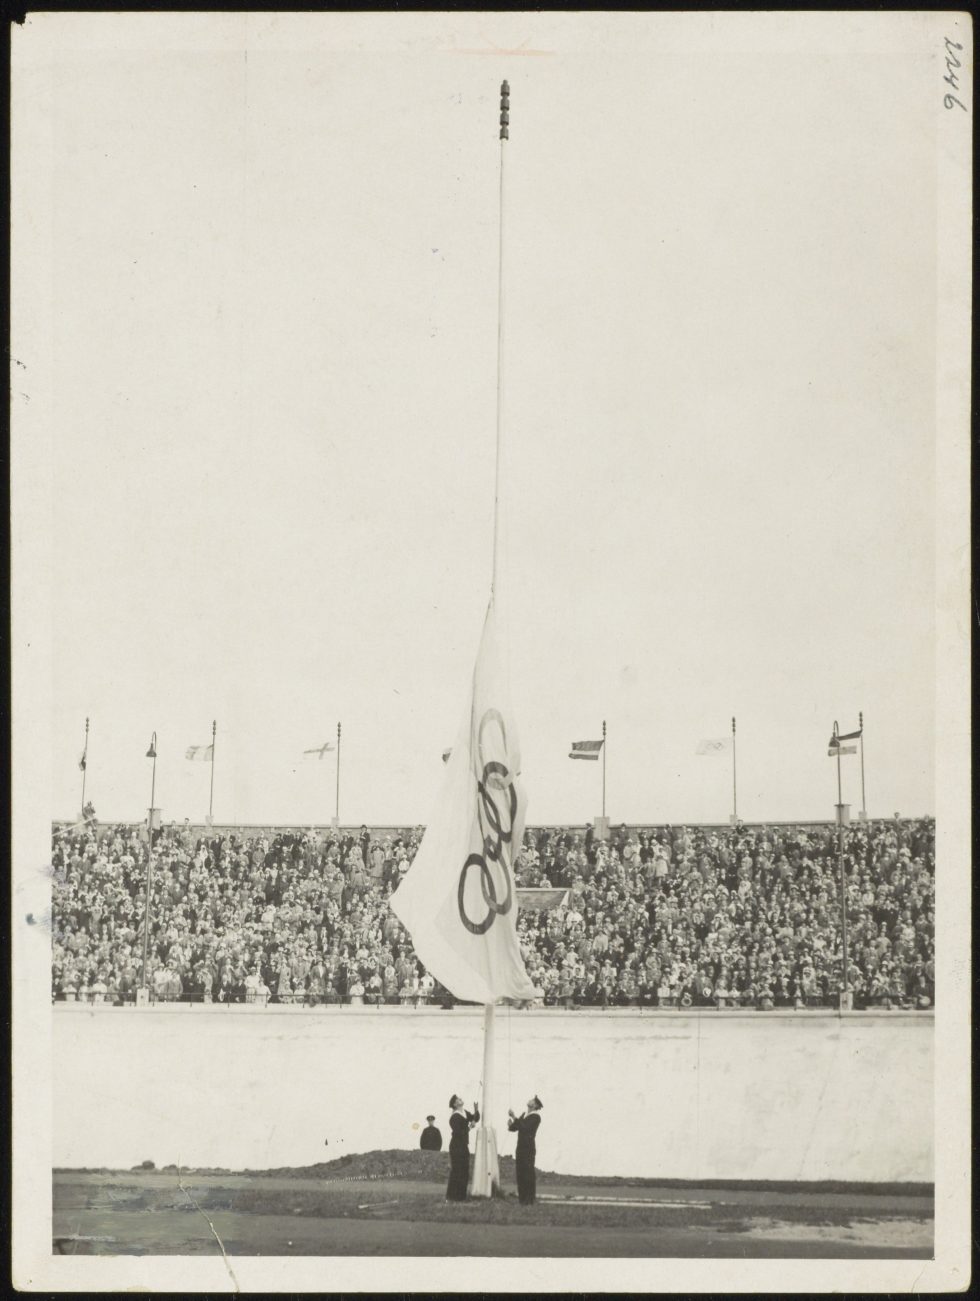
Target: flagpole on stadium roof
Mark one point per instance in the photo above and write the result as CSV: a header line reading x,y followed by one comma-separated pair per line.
x,y
486,1169
214,733
734,778
84,766
864,807
336,816
603,769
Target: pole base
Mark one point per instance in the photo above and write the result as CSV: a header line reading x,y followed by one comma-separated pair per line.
x,y
601,827
485,1175
142,997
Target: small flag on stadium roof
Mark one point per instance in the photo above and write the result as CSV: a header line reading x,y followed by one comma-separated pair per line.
x,y
837,738
585,750
318,752
205,752
720,745
82,763
446,754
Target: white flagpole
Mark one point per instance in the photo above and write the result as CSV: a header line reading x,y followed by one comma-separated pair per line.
x,y
486,1169
504,135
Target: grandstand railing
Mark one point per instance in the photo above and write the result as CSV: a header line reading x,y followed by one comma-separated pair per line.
x,y
813,1002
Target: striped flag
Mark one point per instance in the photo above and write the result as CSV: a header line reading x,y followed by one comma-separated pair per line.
x,y
720,745
318,752
203,752
585,750
834,747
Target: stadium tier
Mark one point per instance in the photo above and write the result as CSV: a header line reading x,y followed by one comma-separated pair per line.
x,y
705,916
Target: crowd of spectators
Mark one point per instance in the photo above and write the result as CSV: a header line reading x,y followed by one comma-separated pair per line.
x,y
747,916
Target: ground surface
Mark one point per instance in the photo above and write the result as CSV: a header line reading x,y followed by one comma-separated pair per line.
x,y
392,1204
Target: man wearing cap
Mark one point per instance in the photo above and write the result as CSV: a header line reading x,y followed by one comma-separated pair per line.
x,y
431,1140
460,1123
526,1128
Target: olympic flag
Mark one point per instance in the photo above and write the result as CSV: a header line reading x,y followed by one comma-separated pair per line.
x,y
458,899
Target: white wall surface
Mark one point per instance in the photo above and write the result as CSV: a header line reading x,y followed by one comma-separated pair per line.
x,y
713,1095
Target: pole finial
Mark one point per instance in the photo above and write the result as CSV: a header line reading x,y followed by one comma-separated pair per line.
x,y
733,724
214,728
504,110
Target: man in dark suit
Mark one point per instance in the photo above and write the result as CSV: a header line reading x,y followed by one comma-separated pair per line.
x,y
431,1139
526,1128
460,1123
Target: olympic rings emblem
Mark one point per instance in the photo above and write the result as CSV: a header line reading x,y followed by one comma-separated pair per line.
x,y
496,819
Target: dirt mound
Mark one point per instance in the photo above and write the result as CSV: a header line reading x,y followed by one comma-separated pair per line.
x,y
389,1163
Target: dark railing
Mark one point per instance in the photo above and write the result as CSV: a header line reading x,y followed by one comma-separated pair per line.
x,y
809,1002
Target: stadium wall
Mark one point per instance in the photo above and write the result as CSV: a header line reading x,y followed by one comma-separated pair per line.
x,y
724,1095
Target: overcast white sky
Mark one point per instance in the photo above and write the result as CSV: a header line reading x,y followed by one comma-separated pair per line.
x,y
272,315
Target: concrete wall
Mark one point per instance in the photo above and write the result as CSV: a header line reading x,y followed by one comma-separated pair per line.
x,y
712,1095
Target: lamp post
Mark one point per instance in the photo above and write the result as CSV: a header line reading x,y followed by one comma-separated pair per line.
x,y
840,863
150,754
836,749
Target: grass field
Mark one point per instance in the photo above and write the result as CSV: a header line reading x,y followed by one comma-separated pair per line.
x,y
392,1203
